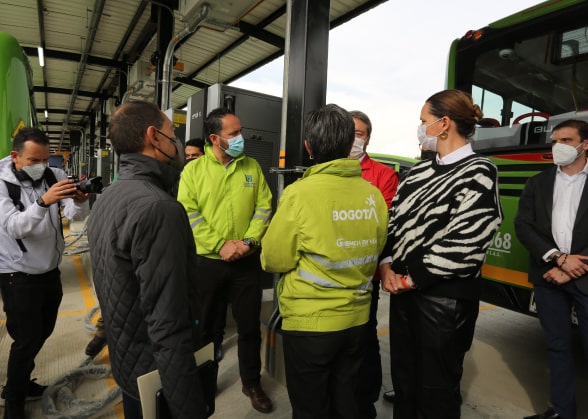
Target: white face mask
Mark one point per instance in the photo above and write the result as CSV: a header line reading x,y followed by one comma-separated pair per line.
x,y
35,171
427,142
564,154
357,149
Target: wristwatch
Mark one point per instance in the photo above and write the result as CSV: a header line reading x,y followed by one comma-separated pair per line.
x,y
248,241
41,203
555,256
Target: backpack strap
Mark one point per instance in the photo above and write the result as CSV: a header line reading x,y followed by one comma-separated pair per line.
x,y
14,194
50,180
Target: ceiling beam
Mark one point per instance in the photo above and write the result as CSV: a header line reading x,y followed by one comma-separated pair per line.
x,y
191,82
62,91
74,57
261,34
64,112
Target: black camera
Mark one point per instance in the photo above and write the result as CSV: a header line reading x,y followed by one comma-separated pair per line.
x,y
91,185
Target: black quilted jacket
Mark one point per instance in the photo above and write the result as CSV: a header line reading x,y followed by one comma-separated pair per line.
x,y
143,257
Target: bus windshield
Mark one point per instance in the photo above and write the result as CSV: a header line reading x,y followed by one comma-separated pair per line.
x,y
527,75
528,72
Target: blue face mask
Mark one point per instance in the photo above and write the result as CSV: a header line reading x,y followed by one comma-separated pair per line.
x,y
236,146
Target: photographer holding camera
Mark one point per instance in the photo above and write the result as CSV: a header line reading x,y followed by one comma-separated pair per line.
x,y
31,247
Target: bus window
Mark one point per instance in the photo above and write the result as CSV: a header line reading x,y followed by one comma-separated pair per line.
x,y
490,103
571,46
518,110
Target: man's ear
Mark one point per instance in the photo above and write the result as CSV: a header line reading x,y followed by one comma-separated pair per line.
x,y
13,156
151,134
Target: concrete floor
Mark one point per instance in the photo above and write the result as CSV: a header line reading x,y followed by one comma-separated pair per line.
x,y
505,372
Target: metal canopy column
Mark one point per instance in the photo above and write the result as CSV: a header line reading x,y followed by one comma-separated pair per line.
x,y
305,73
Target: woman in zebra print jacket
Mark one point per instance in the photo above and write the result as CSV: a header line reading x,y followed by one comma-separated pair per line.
x,y
442,221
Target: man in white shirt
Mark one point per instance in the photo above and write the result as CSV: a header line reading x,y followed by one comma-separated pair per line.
x,y
552,223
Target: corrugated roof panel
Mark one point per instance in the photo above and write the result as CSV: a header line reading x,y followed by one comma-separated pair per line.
x,y
340,7
19,18
262,11
278,26
215,53
66,24
92,77
62,74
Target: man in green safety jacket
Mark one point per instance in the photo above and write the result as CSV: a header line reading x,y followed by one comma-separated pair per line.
x,y
228,202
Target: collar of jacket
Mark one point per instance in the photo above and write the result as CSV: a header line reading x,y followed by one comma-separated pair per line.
x,y
209,154
6,172
339,167
139,166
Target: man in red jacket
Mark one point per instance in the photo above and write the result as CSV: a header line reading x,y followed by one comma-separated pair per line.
x,y
386,180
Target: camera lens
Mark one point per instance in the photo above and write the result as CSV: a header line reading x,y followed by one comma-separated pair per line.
x,y
92,185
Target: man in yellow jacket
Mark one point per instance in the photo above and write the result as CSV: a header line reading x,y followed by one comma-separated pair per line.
x,y
228,202
325,238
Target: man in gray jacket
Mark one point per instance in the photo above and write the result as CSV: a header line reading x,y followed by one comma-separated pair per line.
x,y
143,257
31,247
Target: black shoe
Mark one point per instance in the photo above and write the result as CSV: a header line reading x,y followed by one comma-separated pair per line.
x,y
95,346
218,352
389,396
548,414
259,400
34,392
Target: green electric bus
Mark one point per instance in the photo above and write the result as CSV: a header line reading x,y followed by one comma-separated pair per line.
x,y
16,92
398,163
528,72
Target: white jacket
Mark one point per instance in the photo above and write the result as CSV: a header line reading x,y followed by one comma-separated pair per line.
x,y
37,227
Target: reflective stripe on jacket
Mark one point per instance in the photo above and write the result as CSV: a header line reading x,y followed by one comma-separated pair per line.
x,y
325,238
224,203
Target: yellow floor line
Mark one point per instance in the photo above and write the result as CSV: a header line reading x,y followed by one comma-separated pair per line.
x,y
90,302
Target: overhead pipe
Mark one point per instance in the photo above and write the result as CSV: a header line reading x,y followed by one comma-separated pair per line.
x,y
192,20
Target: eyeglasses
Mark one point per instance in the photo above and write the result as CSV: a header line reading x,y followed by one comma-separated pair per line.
x,y
173,140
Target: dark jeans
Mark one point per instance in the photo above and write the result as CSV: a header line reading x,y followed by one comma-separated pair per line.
x,y
221,320
370,373
241,281
31,303
322,371
554,306
429,337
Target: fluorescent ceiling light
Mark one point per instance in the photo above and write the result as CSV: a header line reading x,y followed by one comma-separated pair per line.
x,y
41,56
46,114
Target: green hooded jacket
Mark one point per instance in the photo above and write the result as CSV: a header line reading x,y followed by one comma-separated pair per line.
x,y
326,237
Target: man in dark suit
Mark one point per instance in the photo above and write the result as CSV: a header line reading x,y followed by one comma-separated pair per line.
x,y
552,223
